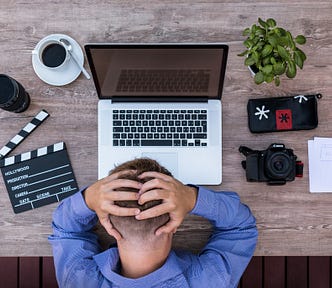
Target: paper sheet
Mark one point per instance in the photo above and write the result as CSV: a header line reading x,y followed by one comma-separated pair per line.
x,y
320,164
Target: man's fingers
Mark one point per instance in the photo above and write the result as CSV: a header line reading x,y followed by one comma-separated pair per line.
x,y
122,196
156,194
123,183
157,175
122,211
154,211
154,184
106,223
170,227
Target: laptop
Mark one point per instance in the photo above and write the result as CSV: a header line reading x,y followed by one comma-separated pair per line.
x,y
160,101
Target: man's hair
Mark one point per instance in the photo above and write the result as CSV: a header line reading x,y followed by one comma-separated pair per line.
x,y
130,228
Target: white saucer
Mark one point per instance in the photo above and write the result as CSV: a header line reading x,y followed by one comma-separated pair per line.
x,y
66,74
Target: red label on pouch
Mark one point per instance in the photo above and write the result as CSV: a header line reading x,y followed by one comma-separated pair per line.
x,y
284,119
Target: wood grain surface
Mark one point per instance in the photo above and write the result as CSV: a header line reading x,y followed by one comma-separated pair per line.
x,y
291,220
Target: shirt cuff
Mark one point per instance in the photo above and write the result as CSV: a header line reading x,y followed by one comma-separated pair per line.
x,y
205,202
79,206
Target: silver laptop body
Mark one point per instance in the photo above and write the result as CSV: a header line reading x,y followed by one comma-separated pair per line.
x,y
161,101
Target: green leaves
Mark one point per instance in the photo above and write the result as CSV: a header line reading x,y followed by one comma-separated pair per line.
x,y
300,39
259,77
267,50
291,70
272,51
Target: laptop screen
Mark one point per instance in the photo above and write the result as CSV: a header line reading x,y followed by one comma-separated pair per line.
x,y
150,70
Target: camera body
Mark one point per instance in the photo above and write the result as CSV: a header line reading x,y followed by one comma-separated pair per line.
x,y
275,165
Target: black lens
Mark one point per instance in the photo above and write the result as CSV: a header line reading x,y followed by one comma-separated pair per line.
x,y
13,96
278,165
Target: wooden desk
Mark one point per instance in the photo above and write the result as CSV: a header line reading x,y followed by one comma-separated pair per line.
x,y
291,221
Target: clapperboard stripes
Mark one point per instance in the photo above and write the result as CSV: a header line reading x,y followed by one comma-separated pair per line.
x,y
24,133
39,177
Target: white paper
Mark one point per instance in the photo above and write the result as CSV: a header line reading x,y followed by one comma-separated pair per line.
x,y
320,164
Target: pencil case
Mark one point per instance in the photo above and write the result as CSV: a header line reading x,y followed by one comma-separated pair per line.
x,y
283,113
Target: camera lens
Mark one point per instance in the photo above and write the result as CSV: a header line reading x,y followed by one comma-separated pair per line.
x,y
278,165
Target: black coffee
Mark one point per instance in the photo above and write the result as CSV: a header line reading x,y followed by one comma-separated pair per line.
x,y
53,55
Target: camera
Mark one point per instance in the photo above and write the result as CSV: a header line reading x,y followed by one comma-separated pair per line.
x,y
275,165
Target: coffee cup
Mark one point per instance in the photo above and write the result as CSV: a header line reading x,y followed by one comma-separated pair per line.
x,y
52,54
13,96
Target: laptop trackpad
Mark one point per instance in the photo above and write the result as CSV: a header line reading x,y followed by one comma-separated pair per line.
x,y
167,159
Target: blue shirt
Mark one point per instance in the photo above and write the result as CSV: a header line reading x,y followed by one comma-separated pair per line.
x,y
79,261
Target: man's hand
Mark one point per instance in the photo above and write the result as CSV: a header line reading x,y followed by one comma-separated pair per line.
x,y
177,199
100,198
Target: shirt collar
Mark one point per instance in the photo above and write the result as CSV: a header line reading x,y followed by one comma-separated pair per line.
x,y
108,263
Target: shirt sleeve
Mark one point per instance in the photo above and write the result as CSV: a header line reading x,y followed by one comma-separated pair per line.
x,y
233,241
74,244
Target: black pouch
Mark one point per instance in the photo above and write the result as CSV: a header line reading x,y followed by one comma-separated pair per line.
x,y
283,113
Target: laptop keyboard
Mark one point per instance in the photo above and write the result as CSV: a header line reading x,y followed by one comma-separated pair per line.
x,y
160,128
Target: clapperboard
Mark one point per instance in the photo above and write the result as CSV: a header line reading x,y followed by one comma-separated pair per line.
x,y
39,177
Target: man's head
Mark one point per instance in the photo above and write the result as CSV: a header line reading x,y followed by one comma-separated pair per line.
x,y
131,229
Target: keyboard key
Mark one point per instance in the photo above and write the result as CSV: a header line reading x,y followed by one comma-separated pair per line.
x,y
200,136
117,129
177,142
115,142
156,142
117,123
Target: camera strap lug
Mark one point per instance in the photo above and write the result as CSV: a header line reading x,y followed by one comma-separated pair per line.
x,y
245,150
299,169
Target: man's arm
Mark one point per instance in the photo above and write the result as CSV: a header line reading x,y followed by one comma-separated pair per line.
x,y
73,242
234,238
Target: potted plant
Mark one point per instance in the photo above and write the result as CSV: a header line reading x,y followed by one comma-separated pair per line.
x,y
272,51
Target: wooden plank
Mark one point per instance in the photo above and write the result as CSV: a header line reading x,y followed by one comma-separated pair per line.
x,y
275,272
8,272
29,272
297,271
48,274
319,271
253,276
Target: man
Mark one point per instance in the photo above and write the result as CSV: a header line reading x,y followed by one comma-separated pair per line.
x,y
142,205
